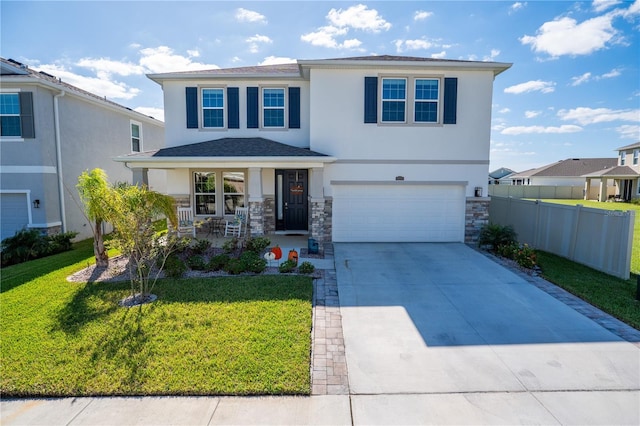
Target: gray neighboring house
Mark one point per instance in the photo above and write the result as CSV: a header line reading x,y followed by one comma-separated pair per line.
x,y
50,133
625,175
501,176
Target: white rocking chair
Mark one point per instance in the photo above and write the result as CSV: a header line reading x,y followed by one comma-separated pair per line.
x,y
234,226
185,221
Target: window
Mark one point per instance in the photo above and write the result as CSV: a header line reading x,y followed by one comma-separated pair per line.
x,y
213,108
636,155
394,95
622,158
233,191
136,137
272,107
205,192
10,123
427,96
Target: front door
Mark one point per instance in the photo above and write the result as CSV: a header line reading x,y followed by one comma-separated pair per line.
x,y
291,200
626,189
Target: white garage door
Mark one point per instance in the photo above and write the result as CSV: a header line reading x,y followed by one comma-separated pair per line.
x,y
398,213
14,214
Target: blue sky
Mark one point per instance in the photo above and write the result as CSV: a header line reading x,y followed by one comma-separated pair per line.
x,y
573,90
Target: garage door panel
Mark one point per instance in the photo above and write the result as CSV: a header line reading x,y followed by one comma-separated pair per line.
x,y
14,214
411,213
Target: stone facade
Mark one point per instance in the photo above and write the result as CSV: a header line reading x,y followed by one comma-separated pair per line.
x,y
256,217
269,216
476,216
320,220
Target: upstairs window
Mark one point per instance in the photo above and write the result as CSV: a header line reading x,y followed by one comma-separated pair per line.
x,y
213,108
136,137
10,123
622,158
273,107
636,155
394,95
427,97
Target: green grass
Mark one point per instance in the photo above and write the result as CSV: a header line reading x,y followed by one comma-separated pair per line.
x,y
213,336
635,253
612,295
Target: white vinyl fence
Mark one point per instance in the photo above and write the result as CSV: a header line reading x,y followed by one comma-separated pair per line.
x,y
601,239
537,192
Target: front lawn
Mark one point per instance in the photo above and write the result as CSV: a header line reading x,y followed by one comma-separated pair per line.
x,y
210,336
635,252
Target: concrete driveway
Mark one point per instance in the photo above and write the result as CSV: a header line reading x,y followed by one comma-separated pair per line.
x,y
438,333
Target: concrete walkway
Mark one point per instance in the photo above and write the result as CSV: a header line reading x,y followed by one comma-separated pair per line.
x,y
432,334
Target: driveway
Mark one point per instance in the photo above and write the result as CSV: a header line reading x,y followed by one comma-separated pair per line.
x,y
439,333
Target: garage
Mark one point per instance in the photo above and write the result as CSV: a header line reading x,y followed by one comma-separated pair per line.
x,y
14,215
398,212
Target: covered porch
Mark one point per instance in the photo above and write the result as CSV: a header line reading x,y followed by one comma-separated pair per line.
x,y
626,180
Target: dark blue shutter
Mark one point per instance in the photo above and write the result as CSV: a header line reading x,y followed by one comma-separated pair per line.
x,y
294,107
371,99
192,107
252,108
28,129
233,105
450,100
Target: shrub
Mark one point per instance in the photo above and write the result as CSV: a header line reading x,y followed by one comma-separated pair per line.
x,y
525,256
201,246
235,266
174,267
494,236
253,262
306,268
257,244
230,246
61,242
218,262
197,263
181,244
287,266
29,244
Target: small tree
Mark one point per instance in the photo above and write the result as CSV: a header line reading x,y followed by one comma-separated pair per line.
x,y
96,194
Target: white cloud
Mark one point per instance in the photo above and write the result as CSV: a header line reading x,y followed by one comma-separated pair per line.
x,y
602,5
157,113
586,116
565,36
254,42
97,85
105,67
352,43
358,17
325,37
504,110
275,60
611,74
193,53
516,6
576,81
494,53
163,59
418,44
628,131
521,130
532,114
439,55
245,15
531,86
421,15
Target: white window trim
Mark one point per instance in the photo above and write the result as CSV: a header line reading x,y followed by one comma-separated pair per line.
x,y
636,156
131,124
623,158
410,101
285,121
381,100
223,108
219,190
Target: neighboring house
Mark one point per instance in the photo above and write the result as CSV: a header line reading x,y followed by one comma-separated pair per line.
x,y
625,174
378,148
500,176
50,133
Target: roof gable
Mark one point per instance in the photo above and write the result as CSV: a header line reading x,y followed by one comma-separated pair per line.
x,y
571,167
237,147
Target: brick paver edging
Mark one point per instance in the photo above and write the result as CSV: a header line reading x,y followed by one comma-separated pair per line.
x,y
328,362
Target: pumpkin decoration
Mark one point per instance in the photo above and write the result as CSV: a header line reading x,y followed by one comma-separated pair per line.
x,y
293,256
277,251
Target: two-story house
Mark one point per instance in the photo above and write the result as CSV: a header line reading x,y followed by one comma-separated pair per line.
x,y
625,175
50,132
377,148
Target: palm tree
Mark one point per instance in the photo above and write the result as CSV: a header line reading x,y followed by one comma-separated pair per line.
x,y
96,194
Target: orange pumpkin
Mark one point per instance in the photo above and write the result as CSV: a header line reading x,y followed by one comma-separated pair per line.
x,y
293,255
277,251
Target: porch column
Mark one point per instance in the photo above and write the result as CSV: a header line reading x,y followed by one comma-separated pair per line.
x,y
318,219
140,177
587,188
256,201
603,189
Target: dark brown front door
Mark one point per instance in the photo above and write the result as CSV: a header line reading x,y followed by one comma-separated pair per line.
x,y
291,200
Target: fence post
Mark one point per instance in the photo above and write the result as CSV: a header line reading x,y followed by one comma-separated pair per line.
x,y
574,231
628,235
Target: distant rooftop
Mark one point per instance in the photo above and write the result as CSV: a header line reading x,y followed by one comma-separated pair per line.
x,y
571,167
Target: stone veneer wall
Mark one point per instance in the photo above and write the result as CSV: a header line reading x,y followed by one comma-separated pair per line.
x,y
256,217
269,216
476,216
52,230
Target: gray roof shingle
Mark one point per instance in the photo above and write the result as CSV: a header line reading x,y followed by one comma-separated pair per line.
x,y
571,167
237,147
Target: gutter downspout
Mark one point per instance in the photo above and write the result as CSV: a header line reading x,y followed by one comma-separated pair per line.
x,y
56,117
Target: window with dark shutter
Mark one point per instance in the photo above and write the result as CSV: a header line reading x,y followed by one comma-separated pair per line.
x,y
371,99
233,103
294,107
450,100
192,107
253,108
